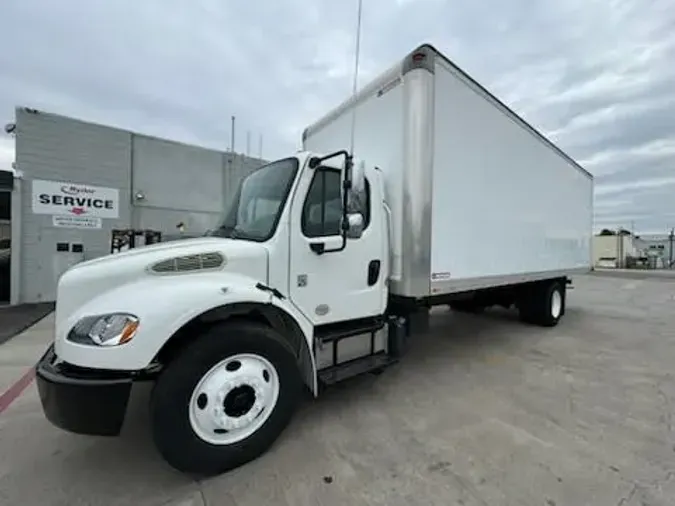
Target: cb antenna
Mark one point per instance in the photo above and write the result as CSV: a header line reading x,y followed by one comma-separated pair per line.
x,y
356,75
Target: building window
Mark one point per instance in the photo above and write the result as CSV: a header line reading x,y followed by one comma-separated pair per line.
x,y
6,180
5,205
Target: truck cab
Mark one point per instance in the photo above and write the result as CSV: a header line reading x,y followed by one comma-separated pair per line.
x,y
295,210
287,289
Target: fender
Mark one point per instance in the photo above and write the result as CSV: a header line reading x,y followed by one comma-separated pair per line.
x,y
279,314
164,305
307,329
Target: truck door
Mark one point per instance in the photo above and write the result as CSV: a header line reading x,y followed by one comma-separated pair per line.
x,y
335,286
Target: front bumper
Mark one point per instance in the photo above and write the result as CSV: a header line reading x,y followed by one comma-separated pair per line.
x,y
83,401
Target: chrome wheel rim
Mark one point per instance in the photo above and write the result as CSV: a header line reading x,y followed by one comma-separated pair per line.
x,y
556,304
234,399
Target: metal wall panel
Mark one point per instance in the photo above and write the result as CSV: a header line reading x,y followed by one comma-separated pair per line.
x,y
54,148
181,184
176,176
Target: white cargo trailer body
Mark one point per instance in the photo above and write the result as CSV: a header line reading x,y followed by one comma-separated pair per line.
x,y
478,197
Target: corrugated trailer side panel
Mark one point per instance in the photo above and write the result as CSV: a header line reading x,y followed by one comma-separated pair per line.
x,y
507,206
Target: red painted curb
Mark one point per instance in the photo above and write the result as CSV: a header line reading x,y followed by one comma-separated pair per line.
x,y
16,389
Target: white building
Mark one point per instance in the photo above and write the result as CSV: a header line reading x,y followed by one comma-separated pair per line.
x,y
612,250
660,248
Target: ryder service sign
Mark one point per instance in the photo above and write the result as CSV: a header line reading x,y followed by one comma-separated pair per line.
x,y
72,199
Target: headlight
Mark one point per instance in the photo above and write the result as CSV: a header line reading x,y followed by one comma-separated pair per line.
x,y
105,330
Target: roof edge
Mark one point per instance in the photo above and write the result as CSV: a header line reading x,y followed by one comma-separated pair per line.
x,y
429,48
422,57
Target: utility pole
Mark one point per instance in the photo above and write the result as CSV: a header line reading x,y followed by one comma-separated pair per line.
x,y
619,248
671,237
248,143
232,136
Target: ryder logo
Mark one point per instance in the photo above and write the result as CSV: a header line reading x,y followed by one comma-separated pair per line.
x,y
76,190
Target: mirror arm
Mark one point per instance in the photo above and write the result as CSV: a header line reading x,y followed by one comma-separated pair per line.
x,y
315,161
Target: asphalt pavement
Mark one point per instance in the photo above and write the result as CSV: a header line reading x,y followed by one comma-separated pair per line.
x,y
483,411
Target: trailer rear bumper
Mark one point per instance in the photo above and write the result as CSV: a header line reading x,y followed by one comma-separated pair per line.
x,y
82,401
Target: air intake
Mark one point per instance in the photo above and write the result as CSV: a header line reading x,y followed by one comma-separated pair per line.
x,y
189,263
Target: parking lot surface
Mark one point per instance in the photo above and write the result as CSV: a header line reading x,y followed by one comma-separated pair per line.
x,y
483,411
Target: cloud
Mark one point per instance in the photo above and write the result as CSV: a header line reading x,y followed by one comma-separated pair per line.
x,y
597,77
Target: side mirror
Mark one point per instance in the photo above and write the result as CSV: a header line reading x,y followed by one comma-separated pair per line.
x,y
359,177
356,198
355,222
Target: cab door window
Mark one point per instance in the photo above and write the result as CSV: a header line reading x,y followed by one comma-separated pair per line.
x,y
322,211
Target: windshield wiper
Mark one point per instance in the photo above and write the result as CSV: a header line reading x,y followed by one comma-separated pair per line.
x,y
225,231
234,232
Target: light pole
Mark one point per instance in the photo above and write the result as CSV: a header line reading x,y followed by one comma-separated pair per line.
x,y
619,248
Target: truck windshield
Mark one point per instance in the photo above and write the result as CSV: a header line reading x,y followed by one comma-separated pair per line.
x,y
257,206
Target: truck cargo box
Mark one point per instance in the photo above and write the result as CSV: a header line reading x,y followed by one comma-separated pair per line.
x,y
478,197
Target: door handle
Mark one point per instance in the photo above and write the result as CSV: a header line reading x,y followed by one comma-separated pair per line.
x,y
329,244
373,271
317,247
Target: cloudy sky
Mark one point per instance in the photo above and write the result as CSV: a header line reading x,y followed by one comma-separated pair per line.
x,y
596,76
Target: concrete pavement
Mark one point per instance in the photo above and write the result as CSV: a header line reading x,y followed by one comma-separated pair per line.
x,y
483,411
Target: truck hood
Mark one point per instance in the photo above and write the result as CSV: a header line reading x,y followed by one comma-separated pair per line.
x,y
87,280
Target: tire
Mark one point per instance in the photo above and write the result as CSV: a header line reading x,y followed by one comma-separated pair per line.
x,y
204,378
543,305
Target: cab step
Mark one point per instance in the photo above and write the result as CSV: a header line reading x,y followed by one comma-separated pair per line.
x,y
356,367
333,332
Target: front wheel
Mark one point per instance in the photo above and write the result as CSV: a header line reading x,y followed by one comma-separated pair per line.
x,y
225,399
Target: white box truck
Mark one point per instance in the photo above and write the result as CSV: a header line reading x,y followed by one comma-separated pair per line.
x,y
322,268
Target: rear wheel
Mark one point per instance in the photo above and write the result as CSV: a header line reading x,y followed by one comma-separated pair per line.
x,y
543,304
225,399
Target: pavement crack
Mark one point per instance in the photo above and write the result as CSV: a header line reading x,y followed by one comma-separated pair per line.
x,y
658,484
648,485
628,497
667,407
202,495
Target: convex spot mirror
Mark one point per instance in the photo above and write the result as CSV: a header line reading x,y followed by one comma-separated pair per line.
x,y
356,198
356,201
359,177
355,225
